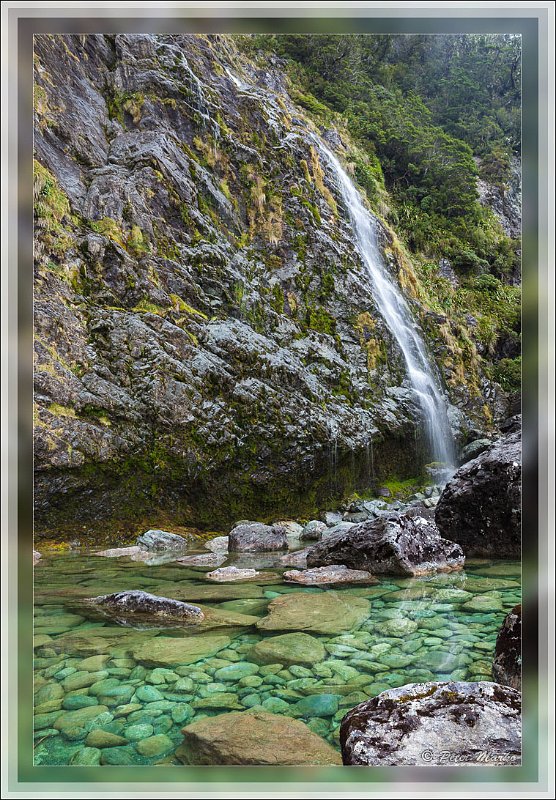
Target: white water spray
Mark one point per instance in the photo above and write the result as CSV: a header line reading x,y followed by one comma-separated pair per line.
x,y
395,310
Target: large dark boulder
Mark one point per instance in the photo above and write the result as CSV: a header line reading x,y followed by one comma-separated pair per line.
x,y
436,723
396,544
480,508
256,537
506,667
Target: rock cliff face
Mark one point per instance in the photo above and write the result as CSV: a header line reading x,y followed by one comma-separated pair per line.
x,y
205,338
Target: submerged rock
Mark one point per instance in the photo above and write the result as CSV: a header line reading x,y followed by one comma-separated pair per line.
x,y
324,612
134,552
234,574
165,651
155,540
256,537
442,723
396,544
254,738
506,667
122,604
480,508
202,560
290,648
335,573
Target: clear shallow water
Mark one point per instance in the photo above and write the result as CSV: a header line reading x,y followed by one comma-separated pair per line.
x,y
106,675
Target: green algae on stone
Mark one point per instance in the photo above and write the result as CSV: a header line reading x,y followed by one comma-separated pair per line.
x,y
326,612
166,651
289,648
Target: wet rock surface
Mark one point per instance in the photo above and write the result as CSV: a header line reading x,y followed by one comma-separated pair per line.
x,y
335,573
158,541
506,667
256,537
435,724
139,603
480,507
170,309
395,544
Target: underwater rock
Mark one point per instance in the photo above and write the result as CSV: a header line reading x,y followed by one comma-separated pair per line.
x,y
134,552
165,651
290,648
254,738
202,560
335,573
324,612
480,507
256,537
506,667
442,723
234,574
122,604
396,544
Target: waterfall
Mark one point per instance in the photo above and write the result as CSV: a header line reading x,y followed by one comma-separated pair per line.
x,y
395,310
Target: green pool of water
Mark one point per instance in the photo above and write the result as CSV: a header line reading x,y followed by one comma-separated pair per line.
x,y
111,694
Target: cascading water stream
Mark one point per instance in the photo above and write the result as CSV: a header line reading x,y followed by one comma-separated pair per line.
x,y
397,315
389,299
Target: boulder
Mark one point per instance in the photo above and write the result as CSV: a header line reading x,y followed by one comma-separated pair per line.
x,y
256,537
335,573
290,648
480,508
396,544
217,545
36,557
158,541
121,605
313,530
254,738
324,612
506,667
436,723
474,449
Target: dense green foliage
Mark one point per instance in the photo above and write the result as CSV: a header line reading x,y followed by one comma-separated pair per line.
x,y
425,106
431,114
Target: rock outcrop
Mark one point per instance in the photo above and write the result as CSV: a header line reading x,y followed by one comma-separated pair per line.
x,y
506,667
199,299
396,544
480,507
438,724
